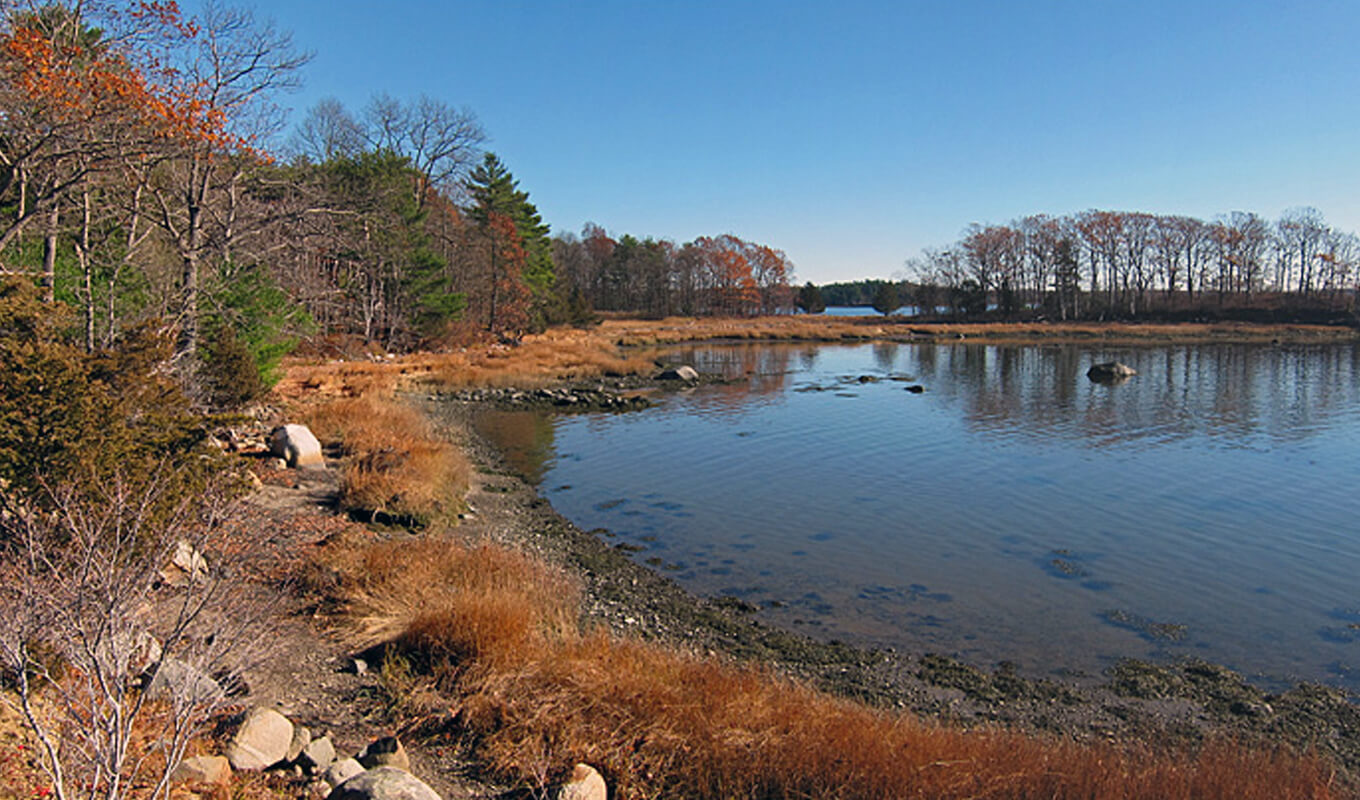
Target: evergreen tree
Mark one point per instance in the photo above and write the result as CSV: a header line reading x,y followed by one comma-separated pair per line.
x,y
886,298
495,191
810,299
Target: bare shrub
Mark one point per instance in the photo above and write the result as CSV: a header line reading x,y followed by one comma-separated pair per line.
x,y
114,656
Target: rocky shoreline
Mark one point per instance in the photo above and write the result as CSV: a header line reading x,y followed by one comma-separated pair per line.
x,y
1160,705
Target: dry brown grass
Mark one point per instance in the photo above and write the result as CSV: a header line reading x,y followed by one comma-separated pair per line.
x,y
495,629
394,461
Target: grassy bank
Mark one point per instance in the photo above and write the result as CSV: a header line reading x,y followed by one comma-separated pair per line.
x,y
488,645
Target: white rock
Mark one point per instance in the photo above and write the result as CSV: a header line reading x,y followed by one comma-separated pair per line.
x,y
302,736
261,741
297,446
584,784
317,755
683,373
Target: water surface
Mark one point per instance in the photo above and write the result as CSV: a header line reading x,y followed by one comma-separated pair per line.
x,y
1013,511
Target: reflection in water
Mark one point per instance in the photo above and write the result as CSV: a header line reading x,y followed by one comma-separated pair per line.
x,y
1015,510
525,438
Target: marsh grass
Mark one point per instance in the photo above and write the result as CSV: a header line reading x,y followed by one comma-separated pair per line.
x,y
495,633
394,462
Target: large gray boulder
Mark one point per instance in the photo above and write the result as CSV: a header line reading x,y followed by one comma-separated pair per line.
x,y
261,741
384,783
297,446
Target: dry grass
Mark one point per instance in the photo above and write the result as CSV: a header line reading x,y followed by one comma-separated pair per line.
x,y
395,463
495,629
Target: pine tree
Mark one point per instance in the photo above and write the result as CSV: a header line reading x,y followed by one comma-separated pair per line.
x,y
495,191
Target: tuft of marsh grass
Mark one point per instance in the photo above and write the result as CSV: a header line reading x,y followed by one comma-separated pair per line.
x,y
394,461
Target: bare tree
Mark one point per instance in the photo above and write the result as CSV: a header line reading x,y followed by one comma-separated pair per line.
x,y
105,647
328,131
440,141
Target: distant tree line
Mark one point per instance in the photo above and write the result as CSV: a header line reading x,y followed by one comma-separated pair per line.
x,y
712,275
1117,264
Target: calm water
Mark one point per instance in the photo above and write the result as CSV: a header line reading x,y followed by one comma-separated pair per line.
x,y
1013,511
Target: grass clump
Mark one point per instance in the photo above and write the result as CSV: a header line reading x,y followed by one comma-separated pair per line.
x,y
493,631
394,462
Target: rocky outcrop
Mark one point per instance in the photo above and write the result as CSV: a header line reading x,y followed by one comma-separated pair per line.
x,y
297,446
261,741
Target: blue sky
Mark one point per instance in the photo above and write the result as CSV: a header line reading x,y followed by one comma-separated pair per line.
x,y
853,134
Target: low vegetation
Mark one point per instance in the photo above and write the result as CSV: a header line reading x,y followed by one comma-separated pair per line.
x,y
491,648
394,463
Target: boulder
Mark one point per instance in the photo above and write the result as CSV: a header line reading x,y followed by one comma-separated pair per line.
x,y
685,373
384,783
190,684
261,741
384,752
202,769
302,736
296,445
584,784
1110,371
341,771
318,755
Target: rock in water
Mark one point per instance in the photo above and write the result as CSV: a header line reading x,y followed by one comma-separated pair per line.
x,y
1110,371
585,784
261,741
685,373
384,783
296,445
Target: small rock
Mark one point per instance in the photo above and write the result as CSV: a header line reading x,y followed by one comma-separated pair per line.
x,y
683,373
202,769
302,736
186,566
341,771
584,784
357,666
384,783
916,388
261,741
384,752
297,446
317,755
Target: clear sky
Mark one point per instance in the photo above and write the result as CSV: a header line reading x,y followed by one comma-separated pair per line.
x,y
852,134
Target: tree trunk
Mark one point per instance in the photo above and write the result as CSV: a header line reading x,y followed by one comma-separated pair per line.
x,y
48,282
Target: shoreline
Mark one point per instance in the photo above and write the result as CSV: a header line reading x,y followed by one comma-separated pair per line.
x,y
1182,703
